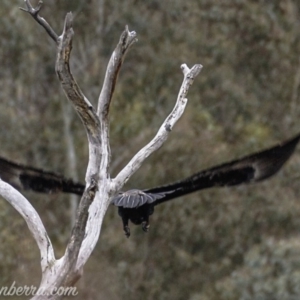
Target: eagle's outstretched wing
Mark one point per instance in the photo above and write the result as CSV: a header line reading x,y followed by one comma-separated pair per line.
x,y
28,178
248,169
137,205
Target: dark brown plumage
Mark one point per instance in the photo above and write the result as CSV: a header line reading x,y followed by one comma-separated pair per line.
x,y
136,205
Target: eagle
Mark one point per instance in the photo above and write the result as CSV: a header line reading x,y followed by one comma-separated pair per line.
x,y
138,205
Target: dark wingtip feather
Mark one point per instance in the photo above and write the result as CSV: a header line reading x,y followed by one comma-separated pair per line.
x,y
271,160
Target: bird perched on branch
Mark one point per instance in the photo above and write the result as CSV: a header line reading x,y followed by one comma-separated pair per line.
x,y
137,205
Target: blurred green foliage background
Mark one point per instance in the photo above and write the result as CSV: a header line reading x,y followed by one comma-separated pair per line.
x,y
235,243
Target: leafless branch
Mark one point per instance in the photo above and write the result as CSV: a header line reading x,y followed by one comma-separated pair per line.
x,y
81,104
127,38
34,12
34,223
163,132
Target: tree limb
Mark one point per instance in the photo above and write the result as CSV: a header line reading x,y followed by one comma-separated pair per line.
x,y
70,87
34,12
163,132
127,38
34,223
102,199
91,123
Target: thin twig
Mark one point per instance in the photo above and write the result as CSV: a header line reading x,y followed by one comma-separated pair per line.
x,y
34,12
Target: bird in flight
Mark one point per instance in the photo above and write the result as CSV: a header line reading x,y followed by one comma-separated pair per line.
x,y
138,205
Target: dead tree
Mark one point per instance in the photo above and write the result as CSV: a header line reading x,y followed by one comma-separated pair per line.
x,y
100,187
